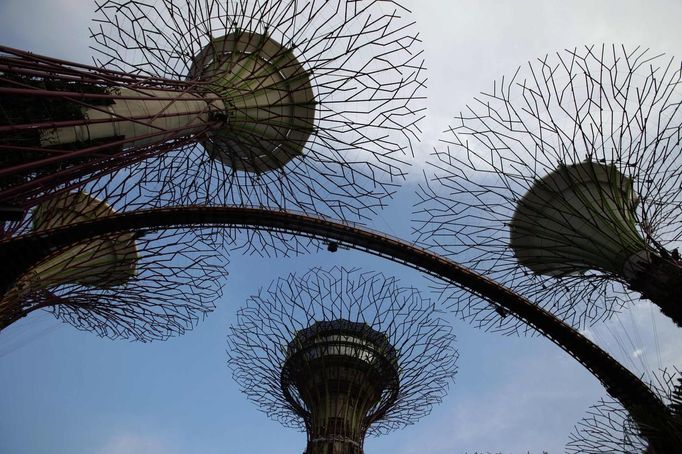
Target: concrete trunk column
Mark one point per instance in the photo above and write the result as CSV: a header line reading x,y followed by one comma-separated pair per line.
x,y
137,114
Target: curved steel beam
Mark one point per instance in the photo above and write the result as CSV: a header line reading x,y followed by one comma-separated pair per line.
x,y
646,408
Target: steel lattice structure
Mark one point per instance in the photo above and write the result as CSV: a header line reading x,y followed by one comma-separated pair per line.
x,y
562,183
341,354
139,284
645,407
63,124
310,104
608,428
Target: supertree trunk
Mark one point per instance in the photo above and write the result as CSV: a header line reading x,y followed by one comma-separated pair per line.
x,y
62,121
342,354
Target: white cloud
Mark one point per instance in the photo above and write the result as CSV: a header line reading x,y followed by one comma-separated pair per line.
x,y
131,443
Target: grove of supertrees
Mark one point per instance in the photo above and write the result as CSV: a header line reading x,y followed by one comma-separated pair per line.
x,y
645,407
307,105
341,354
563,183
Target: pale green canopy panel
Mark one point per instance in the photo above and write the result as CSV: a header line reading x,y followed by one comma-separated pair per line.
x,y
103,263
140,284
269,101
579,218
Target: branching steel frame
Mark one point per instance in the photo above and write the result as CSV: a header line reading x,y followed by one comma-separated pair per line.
x,y
650,413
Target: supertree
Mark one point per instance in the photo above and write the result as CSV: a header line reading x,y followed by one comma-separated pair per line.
x,y
139,284
341,354
609,428
563,183
287,104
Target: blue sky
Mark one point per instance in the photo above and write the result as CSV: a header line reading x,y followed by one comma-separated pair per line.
x,y
66,391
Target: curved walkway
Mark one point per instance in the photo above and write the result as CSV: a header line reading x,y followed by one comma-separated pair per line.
x,y
644,406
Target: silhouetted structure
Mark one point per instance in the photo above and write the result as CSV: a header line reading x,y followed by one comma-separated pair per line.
x,y
645,407
305,105
562,183
139,284
342,354
608,428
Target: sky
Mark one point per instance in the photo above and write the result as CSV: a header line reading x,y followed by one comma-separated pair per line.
x,y
66,391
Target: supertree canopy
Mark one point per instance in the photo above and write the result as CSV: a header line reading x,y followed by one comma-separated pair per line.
x,y
609,428
287,104
562,183
342,354
137,284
